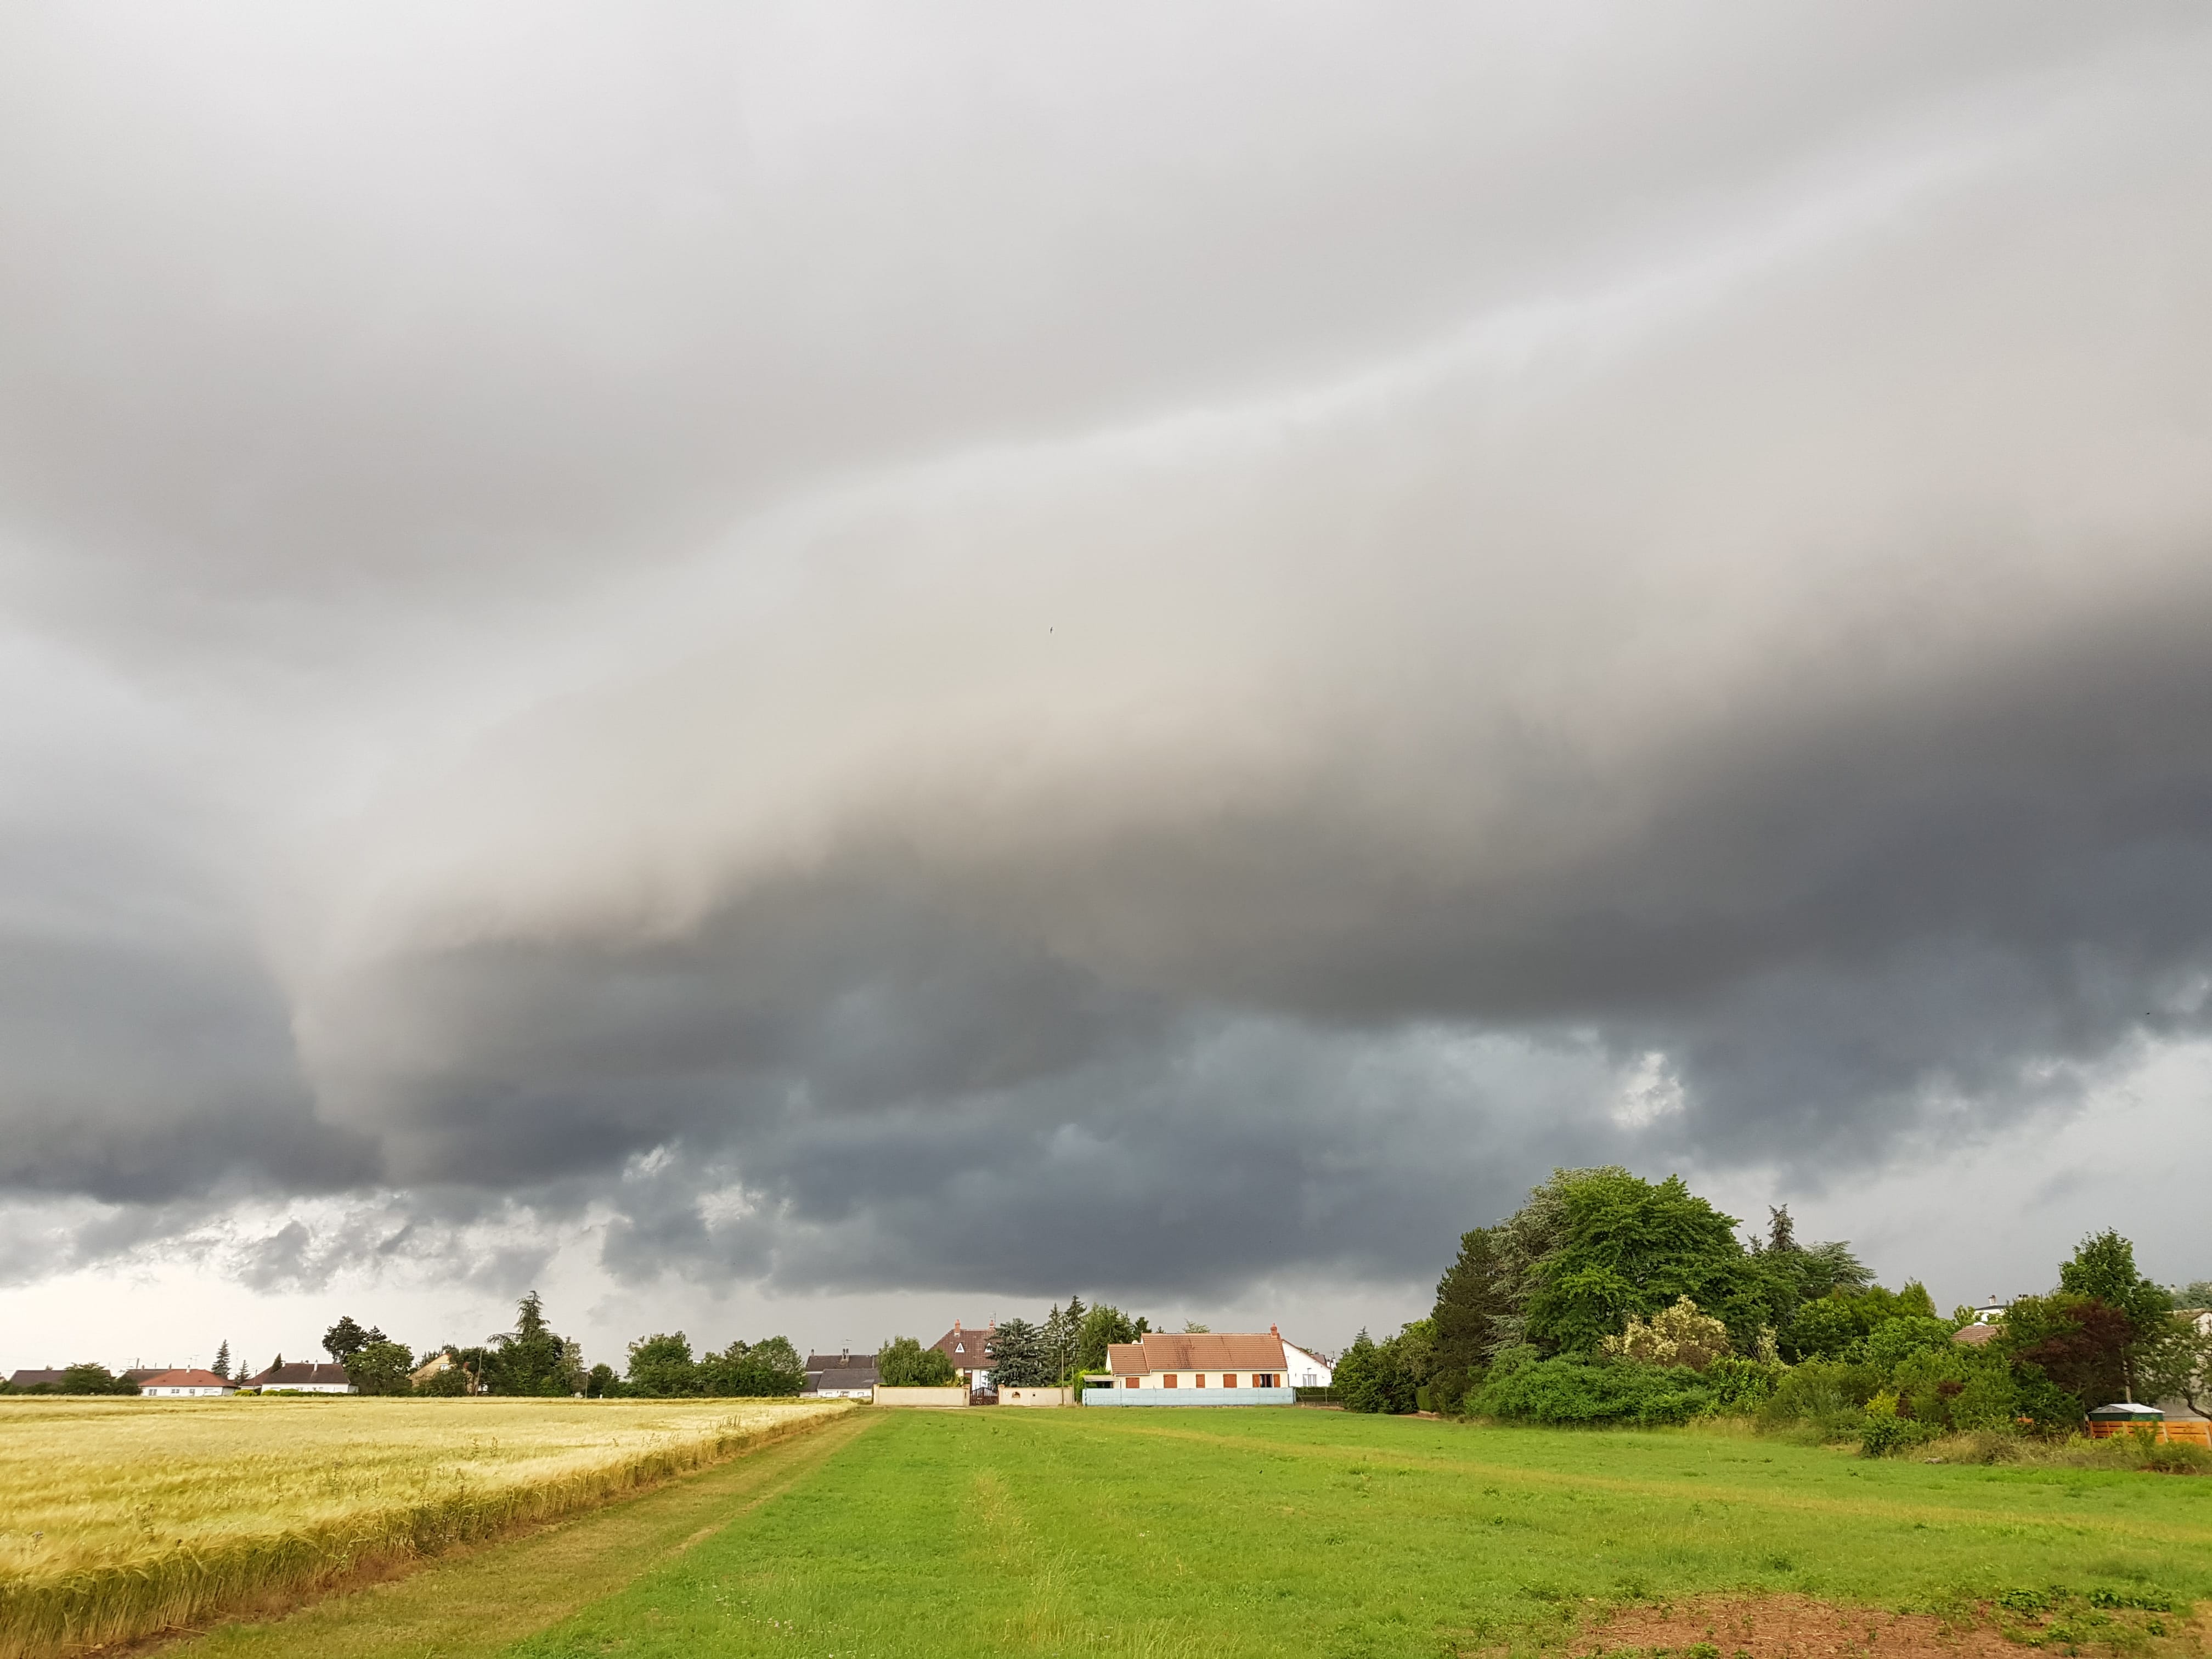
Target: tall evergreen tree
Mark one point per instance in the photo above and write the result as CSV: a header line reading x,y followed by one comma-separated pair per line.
x,y
1018,1356
1102,1327
1472,1298
222,1366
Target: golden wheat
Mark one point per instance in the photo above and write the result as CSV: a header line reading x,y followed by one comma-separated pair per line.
x,y
122,1517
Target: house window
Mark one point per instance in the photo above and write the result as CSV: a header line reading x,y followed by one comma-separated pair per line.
x,y
1228,1379
1197,1382
1168,1381
1128,1382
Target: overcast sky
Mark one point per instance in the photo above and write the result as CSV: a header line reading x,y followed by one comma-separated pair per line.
x,y
820,667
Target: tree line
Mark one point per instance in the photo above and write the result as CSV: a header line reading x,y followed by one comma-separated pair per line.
x,y
1608,1298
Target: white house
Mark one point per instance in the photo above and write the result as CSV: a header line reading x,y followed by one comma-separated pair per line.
x,y
187,1384
1306,1370
301,1378
842,1382
1204,1368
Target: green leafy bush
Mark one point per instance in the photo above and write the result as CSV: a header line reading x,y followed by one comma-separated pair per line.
x,y
1884,1432
1568,1390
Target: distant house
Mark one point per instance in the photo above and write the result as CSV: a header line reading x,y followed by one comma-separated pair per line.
x,y
436,1365
843,1382
301,1377
186,1384
1976,1336
143,1374
1206,1368
40,1379
969,1351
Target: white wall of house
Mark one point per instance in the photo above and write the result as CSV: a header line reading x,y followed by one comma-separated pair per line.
x,y
194,1393
1201,1379
1305,1371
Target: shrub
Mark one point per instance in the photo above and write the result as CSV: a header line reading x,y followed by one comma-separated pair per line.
x,y
1741,1384
1569,1390
1676,1335
1884,1432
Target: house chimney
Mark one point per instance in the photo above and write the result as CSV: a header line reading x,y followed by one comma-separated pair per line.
x,y
955,1327
1274,1330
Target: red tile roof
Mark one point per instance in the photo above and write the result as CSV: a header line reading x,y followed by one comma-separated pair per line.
x,y
969,1350
1975,1335
186,1379
1197,1350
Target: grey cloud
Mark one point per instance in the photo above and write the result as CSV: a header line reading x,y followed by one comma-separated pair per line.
x,y
828,648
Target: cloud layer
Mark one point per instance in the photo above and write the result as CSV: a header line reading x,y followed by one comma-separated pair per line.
x,y
836,647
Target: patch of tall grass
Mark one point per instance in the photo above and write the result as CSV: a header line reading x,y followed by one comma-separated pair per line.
x,y
122,1518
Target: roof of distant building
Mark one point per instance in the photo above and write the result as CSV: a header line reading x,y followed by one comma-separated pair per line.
x,y
33,1379
969,1349
189,1378
1975,1336
844,1376
1198,1351
298,1372
824,1362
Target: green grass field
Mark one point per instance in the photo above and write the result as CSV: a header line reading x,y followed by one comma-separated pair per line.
x,y
1228,1532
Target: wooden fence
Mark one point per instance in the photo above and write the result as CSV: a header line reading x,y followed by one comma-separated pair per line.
x,y
2194,1432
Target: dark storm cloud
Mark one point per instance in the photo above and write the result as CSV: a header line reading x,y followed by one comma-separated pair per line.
x,y
827,644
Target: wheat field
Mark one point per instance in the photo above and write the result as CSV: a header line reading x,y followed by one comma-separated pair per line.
x,y
119,1518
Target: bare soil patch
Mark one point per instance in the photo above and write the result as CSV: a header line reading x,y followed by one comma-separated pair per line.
x,y
1799,1627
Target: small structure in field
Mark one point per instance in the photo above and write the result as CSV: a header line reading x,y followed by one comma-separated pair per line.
x,y
303,1377
187,1384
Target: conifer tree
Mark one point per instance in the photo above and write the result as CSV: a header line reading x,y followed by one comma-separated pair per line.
x,y
222,1366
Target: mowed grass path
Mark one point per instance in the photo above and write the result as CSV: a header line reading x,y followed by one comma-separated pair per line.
x,y
476,1601
1232,1533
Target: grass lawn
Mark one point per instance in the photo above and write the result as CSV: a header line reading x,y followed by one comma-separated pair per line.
x,y
1273,1532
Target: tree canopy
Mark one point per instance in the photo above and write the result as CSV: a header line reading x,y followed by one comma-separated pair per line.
x,y
903,1363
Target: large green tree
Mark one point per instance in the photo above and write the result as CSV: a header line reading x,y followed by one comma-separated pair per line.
x,y
903,1363
751,1371
661,1366
531,1359
1631,1247
348,1338
381,1368
2103,1267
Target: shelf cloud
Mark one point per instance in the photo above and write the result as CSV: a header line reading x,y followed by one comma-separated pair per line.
x,y
892,656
